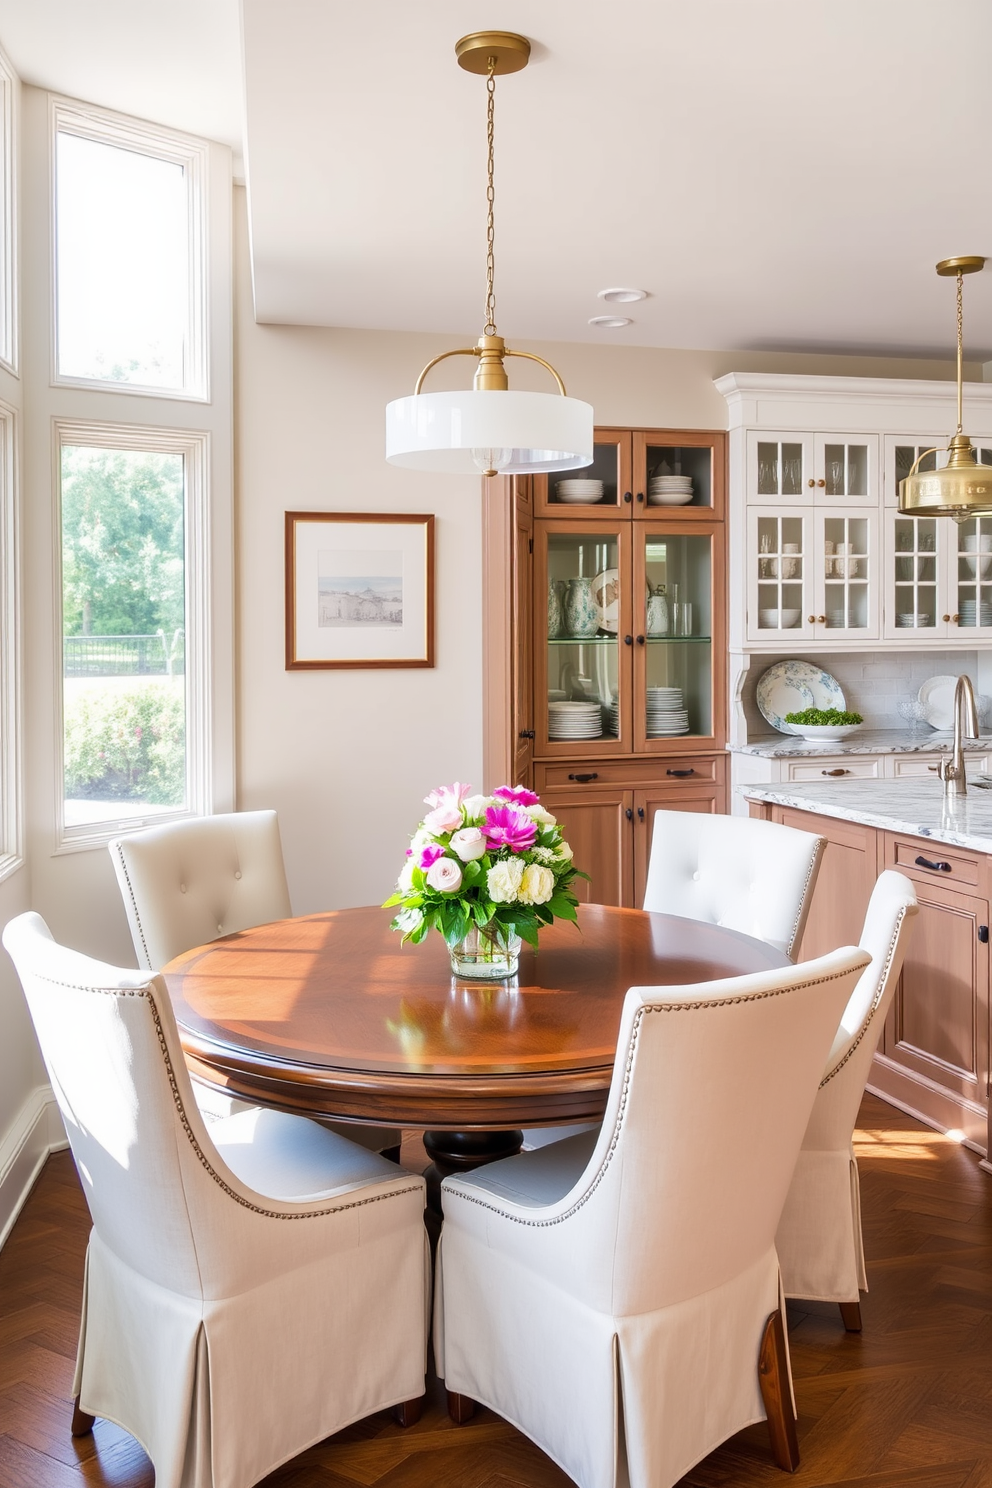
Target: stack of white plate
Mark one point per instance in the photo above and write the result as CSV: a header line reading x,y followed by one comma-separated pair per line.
x,y
836,619
666,715
669,490
575,721
972,613
614,716
579,492
914,620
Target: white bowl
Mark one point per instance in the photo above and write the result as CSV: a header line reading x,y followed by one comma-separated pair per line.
x,y
975,544
669,498
824,732
579,498
979,563
770,619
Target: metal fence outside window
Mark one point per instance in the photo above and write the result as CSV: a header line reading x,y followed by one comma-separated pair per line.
x,y
123,656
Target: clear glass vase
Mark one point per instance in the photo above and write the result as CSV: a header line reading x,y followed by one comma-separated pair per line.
x,y
488,953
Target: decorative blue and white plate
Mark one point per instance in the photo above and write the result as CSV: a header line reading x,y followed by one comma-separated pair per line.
x,y
792,686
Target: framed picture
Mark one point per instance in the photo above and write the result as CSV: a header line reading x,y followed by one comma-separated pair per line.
x,y
359,590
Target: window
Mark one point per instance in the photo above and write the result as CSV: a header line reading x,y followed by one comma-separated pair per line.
x,y
10,815
129,255
133,595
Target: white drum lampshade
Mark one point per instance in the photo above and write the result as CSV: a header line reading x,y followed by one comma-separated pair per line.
x,y
468,431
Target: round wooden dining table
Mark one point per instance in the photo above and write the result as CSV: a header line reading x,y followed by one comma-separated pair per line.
x,y
329,1015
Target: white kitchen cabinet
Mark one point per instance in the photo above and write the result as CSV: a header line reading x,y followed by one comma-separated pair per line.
x,y
812,573
938,577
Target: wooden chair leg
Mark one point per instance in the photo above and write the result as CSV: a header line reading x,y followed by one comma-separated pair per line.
x,y
408,1412
461,1408
82,1421
773,1377
851,1313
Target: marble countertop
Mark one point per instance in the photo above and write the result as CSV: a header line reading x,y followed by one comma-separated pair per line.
x,y
866,741
916,807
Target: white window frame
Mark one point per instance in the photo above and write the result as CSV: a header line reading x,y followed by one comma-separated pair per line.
x,y
192,154
194,445
8,232
11,712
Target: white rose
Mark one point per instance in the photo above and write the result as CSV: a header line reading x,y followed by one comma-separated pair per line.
x,y
537,884
405,882
444,876
503,880
476,805
420,839
537,813
564,852
468,844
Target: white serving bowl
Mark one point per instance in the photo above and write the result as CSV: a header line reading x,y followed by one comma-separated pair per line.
x,y
824,733
978,563
975,544
579,498
770,619
669,498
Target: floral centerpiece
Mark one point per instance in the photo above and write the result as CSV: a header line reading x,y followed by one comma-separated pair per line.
x,y
487,872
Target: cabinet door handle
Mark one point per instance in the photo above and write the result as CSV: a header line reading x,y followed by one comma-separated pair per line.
x,y
584,779
628,640
955,618
945,618
640,640
821,619
983,934
821,483
938,867
627,497
838,771
810,619
640,495
680,774
628,814
811,482
640,813
527,734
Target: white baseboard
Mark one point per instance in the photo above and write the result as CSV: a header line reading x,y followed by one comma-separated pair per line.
x,y
36,1131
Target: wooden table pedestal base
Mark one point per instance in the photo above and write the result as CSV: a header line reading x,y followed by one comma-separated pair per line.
x,y
460,1151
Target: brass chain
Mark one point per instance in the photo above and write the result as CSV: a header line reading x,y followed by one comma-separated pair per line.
x,y
490,326
960,277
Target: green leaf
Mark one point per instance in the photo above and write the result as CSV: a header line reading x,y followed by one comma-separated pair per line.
x,y
562,908
471,871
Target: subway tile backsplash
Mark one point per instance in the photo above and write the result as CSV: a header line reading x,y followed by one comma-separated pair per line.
x,y
873,682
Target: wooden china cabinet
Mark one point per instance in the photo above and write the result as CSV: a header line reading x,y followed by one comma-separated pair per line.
x,y
605,766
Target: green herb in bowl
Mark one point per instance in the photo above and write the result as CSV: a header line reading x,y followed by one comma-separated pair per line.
x,y
824,725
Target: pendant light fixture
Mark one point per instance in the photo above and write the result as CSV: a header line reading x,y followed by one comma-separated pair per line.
x,y
488,428
963,488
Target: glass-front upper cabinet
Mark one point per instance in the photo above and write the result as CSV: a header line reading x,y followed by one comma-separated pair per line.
x,y
824,469
846,587
583,673
971,573
780,574
678,599
601,491
915,584
780,467
901,453
681,474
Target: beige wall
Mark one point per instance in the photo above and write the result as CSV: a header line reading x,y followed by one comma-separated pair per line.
x,y
346,757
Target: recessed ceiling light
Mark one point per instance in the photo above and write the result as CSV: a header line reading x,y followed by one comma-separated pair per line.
x,y
622,296
611,322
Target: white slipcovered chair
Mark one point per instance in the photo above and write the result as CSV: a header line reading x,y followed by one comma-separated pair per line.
x,y
186,883
250,1288
819,1236
748,875
612,1294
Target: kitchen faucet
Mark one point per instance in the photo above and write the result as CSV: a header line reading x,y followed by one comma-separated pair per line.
x,y
951,771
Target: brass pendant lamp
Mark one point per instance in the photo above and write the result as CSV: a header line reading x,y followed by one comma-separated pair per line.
x,y
963,488
488,428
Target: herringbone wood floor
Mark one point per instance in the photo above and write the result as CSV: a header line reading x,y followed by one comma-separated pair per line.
x,y
908,1404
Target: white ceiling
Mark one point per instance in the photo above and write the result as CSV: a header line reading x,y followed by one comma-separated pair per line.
x,y
779,174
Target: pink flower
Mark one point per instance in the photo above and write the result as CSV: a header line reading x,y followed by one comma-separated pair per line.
x,y
445,876
448,795
517,795
508,826
443,818
430,854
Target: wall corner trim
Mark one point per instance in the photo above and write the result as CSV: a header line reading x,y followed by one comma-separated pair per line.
x,y
35,1132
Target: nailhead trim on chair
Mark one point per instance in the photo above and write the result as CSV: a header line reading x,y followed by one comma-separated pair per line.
x,y
655,1007
813,864
145,992
875,1001
134,903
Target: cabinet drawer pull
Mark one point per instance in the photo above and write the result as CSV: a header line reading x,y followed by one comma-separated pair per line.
x,y
983,934
628,814
680,774
584,779
640,813
838,771
527,733
938,867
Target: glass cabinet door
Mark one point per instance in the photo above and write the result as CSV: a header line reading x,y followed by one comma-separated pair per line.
x,y
780,573
678,586
847,582
779,467
678,475
602,490
971,574
914,589
845,469
582,603
900,455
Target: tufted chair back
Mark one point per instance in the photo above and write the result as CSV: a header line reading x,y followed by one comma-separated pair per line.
x,y
753,876
187,882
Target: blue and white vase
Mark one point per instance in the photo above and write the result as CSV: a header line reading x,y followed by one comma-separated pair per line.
x,y
556,617
581,610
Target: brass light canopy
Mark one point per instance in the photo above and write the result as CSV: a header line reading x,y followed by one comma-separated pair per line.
x,y
963,488
490,429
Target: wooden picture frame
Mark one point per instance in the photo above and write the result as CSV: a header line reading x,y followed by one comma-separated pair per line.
x,y
359,590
